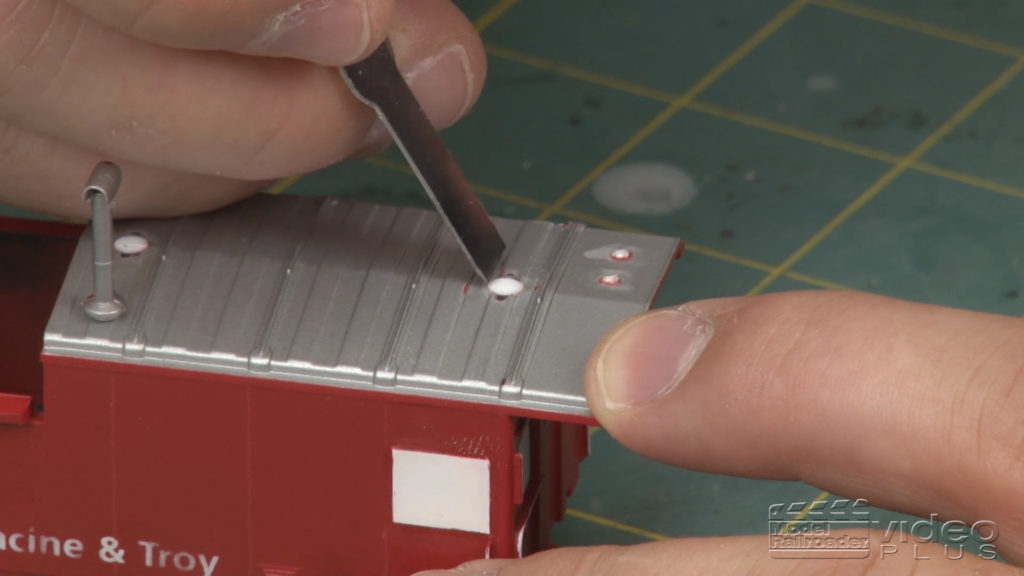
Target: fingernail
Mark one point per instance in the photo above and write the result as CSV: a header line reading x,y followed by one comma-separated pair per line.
x,y
647,357
443,84
332,32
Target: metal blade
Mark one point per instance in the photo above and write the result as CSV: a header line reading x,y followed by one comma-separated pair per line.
x,y
377,82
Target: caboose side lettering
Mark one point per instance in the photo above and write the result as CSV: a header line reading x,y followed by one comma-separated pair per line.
x,y
31,543
181,561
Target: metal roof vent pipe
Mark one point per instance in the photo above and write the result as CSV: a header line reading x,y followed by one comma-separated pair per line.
x,y
103,305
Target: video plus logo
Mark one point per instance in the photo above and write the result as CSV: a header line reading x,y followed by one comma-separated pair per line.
x,y
954,535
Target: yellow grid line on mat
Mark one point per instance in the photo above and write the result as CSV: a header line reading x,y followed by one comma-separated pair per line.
x,y
580,74
820,283
921,27
804,512
750,120
793,132
853,148
965,178
595,519
721,68
890,175
500,8
283,184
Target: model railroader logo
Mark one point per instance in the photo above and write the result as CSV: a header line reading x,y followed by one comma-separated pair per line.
x,y
108,550
834,530
844,528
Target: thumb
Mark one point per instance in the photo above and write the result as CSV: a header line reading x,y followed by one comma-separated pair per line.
x,y
725,555
909,406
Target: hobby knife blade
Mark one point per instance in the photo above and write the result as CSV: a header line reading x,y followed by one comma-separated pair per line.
x,y
378,82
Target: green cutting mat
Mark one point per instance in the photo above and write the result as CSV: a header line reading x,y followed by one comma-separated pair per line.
x,y
876,145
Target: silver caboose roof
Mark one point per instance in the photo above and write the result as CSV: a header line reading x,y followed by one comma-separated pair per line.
x,y
363,296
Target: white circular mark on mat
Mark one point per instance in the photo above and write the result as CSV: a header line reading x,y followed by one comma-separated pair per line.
x,y
130,244
822,83
644,188
505,286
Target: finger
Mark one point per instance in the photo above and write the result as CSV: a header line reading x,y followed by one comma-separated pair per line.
x,y
733,555
47,177
910,406
332,32
67,76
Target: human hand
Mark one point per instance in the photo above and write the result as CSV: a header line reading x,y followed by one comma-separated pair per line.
x,y
927,404
200,102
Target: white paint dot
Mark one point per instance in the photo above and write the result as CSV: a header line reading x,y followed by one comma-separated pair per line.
x,y
610,279
505,286
621,255
822,83
130,244
644,188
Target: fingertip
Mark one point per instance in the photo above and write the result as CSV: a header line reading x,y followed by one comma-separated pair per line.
x,y
446,72
858,394
647,356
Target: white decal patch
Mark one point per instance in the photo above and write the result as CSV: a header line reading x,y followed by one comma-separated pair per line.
x,y
441,491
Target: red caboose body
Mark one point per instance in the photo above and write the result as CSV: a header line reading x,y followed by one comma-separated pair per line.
x,y
299,386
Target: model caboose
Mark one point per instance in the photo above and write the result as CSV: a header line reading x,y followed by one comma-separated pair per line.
x,y
297,386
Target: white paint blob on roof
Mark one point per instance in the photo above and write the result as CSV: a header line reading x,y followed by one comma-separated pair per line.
x,y
505,286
